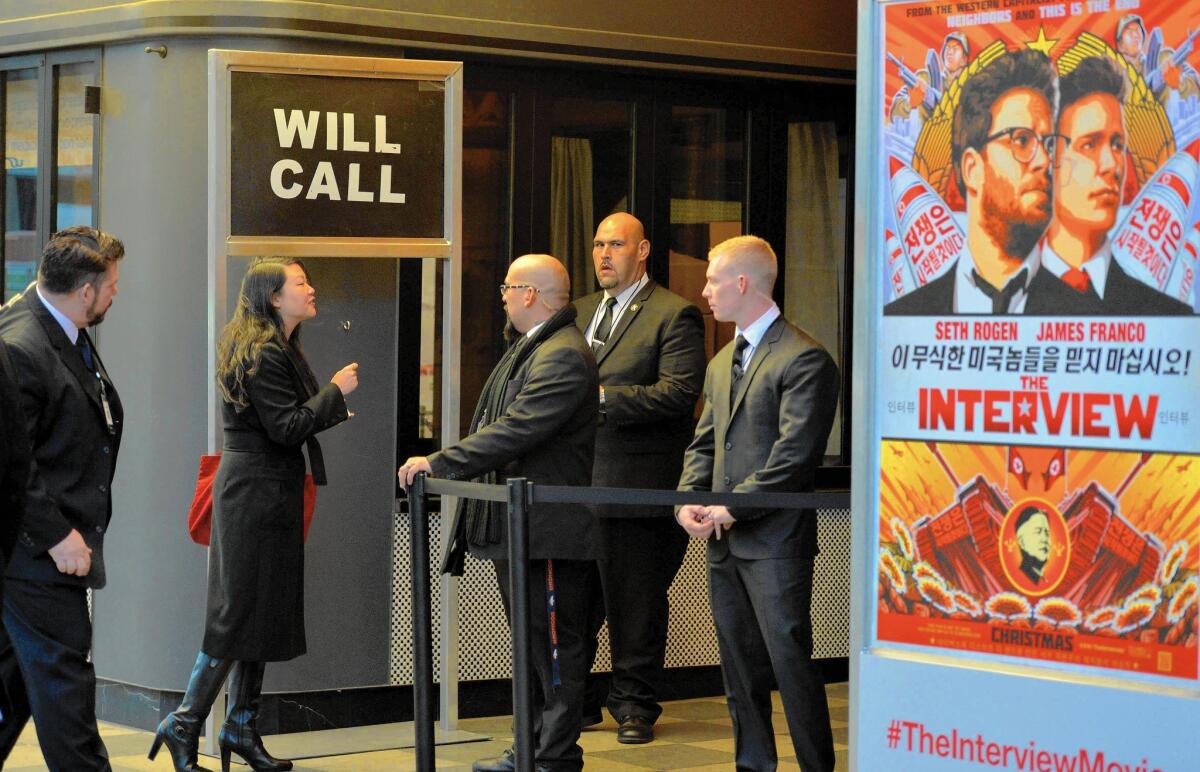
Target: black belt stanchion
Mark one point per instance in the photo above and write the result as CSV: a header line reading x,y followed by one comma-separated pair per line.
x,y
520,497
518,577
422,627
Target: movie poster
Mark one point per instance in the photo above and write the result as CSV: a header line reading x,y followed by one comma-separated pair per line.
x,y
1039,344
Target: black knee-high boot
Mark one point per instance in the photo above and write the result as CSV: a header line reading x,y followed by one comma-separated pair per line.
x,y
181,730
240,733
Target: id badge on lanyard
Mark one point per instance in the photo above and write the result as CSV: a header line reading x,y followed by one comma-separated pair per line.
x,y
108,416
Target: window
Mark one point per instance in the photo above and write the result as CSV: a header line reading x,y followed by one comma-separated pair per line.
x,y
50,143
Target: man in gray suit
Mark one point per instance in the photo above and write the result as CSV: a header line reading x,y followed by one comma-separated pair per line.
x,y
649,346
769,400
536,419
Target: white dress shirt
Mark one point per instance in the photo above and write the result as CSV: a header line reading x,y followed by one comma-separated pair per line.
x,y
624,298
755,332
1096,266
970,299
67,325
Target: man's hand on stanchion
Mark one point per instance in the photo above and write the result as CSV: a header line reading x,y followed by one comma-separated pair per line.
x,y
409,470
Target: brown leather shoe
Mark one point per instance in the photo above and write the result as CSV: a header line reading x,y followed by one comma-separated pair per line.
x,y
635,730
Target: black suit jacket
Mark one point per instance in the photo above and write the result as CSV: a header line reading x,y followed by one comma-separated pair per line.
x,y
1048,296
14,457
74,455
1123,296
770,439
1126,296
546,432
652,370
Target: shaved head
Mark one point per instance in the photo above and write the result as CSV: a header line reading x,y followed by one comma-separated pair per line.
x,y
542,287
547,274
626,223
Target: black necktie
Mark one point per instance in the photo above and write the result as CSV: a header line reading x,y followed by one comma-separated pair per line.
x,y
1001,298
85,351
603,327
739,348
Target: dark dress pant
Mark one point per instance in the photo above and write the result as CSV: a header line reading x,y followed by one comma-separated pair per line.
x,y
44,645
556,709
764,630
640,557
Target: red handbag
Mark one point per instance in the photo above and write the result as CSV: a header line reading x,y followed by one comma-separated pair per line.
x,y
200,513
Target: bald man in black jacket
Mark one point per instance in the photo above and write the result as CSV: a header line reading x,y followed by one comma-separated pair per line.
x,y
536,419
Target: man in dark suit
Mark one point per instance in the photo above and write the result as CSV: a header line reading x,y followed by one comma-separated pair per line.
x,y
73,418
1091,162
1001,139
14,462
649,347
769,400
536,419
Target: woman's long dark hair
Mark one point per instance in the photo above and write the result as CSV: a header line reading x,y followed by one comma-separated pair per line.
x,y
255,323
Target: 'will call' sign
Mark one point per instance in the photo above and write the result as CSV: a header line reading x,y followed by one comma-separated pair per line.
x,y
323,156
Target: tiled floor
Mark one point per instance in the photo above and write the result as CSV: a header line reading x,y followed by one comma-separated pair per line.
x,y
691,735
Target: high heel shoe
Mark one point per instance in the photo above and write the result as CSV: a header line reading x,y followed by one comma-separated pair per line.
x,y
239,734
180,731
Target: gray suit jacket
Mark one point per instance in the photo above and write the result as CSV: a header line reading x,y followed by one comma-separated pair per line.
x,y
770,439
652,369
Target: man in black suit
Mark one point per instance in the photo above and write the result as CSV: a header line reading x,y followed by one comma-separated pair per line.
x,y
14,463
1089,175
649,347
1001,142
769,400
73,418
536,419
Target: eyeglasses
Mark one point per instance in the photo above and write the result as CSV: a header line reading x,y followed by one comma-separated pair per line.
x,y
1090,146
506,287
1023,143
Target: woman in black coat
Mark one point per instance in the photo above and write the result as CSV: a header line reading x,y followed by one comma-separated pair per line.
x,y
272,405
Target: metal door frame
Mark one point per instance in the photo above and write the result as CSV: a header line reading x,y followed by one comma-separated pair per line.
x,y
221,63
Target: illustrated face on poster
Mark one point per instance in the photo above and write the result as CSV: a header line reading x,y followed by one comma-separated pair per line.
x,y
1035,547
1039,495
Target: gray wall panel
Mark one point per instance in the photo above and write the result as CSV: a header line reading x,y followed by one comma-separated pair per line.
x,y
152,193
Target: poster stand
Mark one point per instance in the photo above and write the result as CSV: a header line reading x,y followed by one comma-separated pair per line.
x,y
1026,572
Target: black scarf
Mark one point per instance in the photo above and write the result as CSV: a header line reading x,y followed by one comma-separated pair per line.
x,y
481,522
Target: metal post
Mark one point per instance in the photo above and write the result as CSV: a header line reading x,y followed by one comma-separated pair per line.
x,y
518,577
422,626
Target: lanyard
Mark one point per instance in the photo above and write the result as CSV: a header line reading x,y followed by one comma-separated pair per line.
x,y
108,416
89,361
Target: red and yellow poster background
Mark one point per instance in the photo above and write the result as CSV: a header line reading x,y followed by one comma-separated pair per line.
x,y
1124,594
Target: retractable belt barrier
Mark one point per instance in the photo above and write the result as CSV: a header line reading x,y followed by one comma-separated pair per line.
x,y
521,495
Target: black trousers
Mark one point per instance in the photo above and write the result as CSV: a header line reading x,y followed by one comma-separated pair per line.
x,y
44,646
640,557
557,709
764,631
